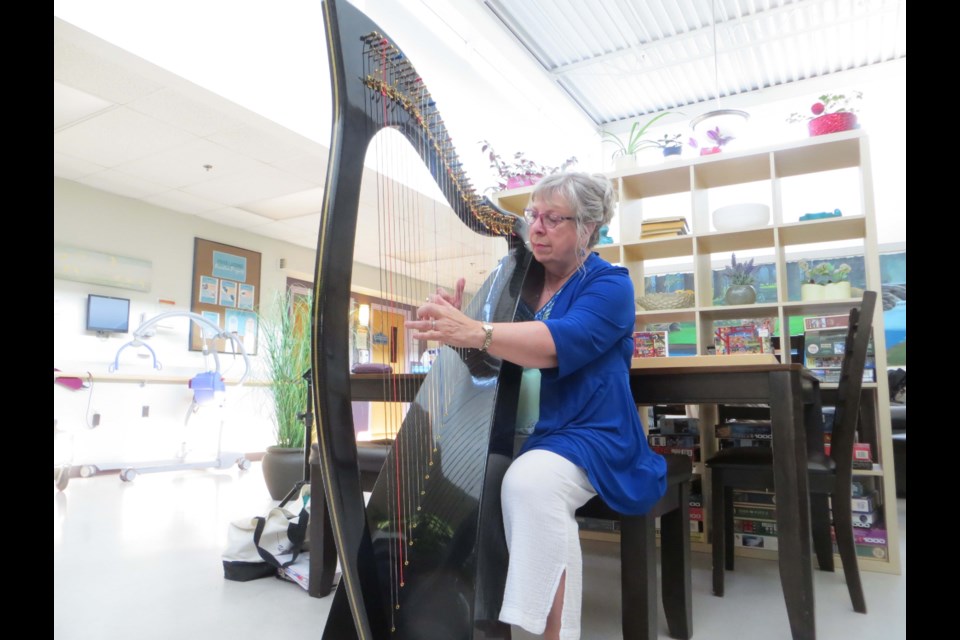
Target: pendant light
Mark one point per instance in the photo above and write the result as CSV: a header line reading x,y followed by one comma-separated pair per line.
x,y
727,121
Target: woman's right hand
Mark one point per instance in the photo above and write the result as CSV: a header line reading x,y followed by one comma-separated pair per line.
x,y
456,298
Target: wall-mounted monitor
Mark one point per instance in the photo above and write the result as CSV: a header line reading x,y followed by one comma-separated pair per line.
x,y
108,314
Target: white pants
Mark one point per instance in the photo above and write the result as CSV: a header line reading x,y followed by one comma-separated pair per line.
x,y
540,493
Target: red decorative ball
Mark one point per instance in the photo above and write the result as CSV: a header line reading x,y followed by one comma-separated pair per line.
x,y
817,108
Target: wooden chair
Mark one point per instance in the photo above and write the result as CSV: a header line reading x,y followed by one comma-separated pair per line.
x,y
830,478
638,560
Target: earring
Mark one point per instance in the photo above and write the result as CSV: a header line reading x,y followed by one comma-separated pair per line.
x,y
583,252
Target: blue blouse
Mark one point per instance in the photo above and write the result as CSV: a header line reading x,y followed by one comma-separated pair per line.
x,y
587,412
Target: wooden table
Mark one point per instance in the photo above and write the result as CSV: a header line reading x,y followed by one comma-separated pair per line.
x,y
792,394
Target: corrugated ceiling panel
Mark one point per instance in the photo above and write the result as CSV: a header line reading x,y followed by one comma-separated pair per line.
x,y
621,59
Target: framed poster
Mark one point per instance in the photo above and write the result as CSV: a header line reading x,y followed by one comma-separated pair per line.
x,y
226,288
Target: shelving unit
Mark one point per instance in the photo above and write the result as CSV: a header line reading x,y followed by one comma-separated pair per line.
x,y
768,173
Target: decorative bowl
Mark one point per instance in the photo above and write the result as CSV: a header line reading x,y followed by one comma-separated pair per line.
x,y
660,301
741,216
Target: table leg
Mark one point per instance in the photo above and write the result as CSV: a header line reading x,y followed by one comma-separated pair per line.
x,y
793,502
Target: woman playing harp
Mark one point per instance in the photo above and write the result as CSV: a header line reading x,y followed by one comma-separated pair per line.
x,y
588,438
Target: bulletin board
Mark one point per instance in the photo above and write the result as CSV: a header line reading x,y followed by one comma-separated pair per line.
x,y
226,291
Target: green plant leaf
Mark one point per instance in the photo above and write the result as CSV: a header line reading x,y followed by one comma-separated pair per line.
x,y
286,354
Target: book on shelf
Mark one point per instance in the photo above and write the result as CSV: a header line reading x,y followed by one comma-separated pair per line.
x,y
678,425
862,486
876,536
693,452
670,222
727,443
815,323
874,552
759,527
662,227
743,337
825,341
650,344
755,541
754,497
867,503
755,511
862,454
867,520
759,430
670,440
653,235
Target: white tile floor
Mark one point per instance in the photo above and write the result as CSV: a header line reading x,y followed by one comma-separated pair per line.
x,y
141,561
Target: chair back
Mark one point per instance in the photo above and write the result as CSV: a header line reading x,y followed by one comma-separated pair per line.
x,y
847,410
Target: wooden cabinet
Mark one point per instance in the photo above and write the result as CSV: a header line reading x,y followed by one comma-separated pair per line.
x,y
833,170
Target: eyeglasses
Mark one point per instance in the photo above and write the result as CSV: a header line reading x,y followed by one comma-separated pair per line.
x,y
549,220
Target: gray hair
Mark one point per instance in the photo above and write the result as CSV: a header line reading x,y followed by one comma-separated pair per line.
x,y
591,196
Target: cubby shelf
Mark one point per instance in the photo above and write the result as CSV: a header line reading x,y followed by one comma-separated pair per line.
x,y
773,173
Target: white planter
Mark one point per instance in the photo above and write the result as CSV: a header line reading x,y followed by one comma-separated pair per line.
x,y
625,163
812,292
837,291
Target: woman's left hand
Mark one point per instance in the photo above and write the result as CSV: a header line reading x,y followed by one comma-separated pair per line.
x,y
439,320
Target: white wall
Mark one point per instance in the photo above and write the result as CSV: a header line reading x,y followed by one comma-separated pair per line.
x,y
91,219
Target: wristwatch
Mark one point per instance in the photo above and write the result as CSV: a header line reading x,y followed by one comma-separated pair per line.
x,y
488,338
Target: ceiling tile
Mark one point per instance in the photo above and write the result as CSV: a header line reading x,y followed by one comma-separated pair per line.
x,y
71,105
185,202
122,184
193,115
118,136
235,218
188,164
290,205
65,166
252,185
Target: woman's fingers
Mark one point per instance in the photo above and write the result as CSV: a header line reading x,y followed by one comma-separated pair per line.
x,y
456,298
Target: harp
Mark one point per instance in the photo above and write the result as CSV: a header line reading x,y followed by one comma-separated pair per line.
x,y
414,563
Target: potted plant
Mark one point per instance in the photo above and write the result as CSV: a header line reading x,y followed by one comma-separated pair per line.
x,y
522,171
832,112
670,144
824,281
741,278
715,142
627,148
286,356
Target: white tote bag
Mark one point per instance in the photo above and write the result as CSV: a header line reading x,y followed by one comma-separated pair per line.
x,y
258,546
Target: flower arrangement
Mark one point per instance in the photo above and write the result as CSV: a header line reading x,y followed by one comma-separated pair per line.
x,y
716,137
823,273
740,273
521,171
829,103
